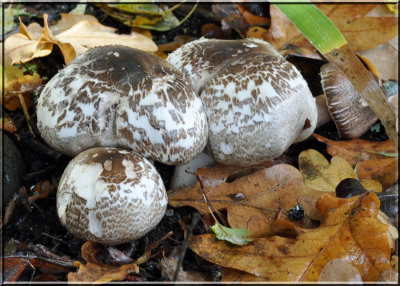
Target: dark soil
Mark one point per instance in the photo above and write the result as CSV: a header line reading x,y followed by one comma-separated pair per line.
x,y
38,224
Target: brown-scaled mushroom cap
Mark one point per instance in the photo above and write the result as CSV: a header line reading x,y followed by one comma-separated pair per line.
x,y
117,96
110,196
351,114
257,103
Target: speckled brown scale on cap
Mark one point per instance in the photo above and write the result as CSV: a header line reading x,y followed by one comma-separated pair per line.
x,y
351,114
110,196
119,96
257,103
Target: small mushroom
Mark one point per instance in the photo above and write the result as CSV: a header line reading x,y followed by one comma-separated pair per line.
x,y
257,103
340,270
116,96
351,114
110,196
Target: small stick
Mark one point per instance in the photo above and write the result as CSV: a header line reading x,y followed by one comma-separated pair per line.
x,y
195,220
210,207
55,238
26,113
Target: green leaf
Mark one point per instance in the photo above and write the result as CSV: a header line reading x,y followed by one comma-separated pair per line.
x,y
233,235
314,25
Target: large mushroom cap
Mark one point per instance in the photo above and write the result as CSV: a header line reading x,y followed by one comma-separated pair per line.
x,y
111,196
122,97
257,103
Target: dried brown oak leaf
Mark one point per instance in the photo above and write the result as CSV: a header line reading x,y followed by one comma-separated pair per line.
x,y
350,231
371,166
73,34
96,271
251,201
361,32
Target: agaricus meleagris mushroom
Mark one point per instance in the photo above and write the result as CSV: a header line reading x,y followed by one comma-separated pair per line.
x,y
117,96
110,196
351,114
257,103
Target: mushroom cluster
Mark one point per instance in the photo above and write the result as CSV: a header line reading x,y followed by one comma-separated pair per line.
x,y
116,96
257,103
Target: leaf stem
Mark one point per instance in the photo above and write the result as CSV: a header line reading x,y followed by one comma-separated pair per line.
x,y
209,205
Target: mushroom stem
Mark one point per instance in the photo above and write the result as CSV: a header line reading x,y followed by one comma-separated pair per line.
x,y
322,108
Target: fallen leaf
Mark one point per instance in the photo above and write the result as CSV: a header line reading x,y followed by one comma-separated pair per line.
x,y
73,34
362,33
96,271
366,33
251,201
346,11
371,166
251,18
233,235
320,175
14,266
350,231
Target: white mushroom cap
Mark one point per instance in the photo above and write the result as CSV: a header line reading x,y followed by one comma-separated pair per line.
x,y
350,112
257,103
122,97
110,196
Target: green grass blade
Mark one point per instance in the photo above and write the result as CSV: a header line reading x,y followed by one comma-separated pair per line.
x,y
314,25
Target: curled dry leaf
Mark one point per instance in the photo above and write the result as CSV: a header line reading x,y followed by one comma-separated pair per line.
x,y
251,201
320,175
73,34
96,271
350,231
371,166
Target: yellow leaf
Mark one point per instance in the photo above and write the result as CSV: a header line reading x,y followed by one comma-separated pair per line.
x,y
319,175
372,166
350,231
74,34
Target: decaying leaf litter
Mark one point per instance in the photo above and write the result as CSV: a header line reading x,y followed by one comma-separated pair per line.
x,y
257,199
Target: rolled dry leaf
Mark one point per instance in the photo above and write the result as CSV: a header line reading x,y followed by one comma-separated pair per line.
x,y
351,114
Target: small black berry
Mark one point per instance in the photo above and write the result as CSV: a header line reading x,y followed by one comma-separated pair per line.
x,y
296,213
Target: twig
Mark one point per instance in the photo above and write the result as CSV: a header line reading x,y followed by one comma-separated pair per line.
x,y
195,219
210,207
26,113
40,172
55,238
